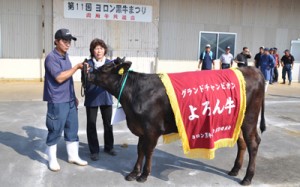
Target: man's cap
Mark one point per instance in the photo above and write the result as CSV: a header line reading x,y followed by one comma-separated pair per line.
x,y
266,49
271,49
275,48
286,50
207,46
228,47
262,47
64,34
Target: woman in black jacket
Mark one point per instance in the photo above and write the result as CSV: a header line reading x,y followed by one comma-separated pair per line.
x,y
96,97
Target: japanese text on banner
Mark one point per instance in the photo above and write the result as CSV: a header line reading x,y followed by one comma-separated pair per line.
x,y
107,11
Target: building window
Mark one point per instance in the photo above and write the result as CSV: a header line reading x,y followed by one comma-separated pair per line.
x,y
218,41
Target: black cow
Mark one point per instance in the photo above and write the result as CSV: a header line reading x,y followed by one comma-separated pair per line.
x,y
149,114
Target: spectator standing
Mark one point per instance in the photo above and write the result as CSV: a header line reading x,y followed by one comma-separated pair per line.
x,y
257,57
287,63
226,59
267,63
96,97
62,103
272,69
242,58
206,59
277,64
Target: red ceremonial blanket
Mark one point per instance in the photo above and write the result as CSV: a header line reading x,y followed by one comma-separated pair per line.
x,y
209,109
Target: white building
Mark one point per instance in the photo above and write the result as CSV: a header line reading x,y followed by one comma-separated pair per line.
x,y
156,35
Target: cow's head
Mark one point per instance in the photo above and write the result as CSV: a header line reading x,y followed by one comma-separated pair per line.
x,y
109,74
117,66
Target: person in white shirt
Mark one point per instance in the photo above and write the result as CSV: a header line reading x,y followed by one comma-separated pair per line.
x,y
226,59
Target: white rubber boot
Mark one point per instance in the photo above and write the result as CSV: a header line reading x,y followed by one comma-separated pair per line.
x,y
52,160
72,149
266,86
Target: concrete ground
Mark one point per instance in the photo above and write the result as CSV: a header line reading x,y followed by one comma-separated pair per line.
x,y
23,159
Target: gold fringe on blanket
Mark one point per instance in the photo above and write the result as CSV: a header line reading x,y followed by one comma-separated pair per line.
x,y
202,153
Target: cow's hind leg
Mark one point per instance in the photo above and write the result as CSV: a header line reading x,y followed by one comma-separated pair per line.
x,y
240,156
138,165
149,145
252,140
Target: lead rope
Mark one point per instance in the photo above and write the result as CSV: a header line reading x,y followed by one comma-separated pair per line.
x,y
122,87
84,79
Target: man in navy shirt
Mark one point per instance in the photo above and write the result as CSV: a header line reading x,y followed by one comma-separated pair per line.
x,y
61,100
206,59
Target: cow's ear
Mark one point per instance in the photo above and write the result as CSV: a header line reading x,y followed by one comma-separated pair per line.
x,y
124,67
119,60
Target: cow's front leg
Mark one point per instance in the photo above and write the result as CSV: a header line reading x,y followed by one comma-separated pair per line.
x,y
149,144
138,165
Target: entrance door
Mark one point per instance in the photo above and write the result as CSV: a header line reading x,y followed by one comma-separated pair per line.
x,y
295,51
0,43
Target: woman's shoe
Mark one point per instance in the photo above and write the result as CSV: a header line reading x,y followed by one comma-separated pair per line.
x,y
110,152
94,156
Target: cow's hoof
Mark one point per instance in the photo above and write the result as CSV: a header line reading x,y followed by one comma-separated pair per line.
x,y
233,173
245,182
141,179
131,177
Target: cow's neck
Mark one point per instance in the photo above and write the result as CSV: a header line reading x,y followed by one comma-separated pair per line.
x,y
127,90
114,83
114,87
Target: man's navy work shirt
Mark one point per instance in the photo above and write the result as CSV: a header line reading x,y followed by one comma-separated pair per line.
x,y
266,63
206,61
55,92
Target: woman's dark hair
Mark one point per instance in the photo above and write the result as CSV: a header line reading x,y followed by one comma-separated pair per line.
x,y
95,43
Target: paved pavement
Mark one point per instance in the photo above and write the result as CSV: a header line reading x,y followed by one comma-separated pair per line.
x,y
23,159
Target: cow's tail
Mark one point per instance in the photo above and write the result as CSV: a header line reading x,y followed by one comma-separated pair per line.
x,y
262,116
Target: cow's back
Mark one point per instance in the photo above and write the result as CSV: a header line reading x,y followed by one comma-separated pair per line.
x,y
148,104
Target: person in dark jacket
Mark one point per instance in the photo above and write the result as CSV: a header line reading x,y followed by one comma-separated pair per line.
x,y
277,65
257,57
242,58
96,97
267,62
287,63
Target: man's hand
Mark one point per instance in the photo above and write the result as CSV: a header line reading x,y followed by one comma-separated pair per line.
x,y
199,64
77,103
80,65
